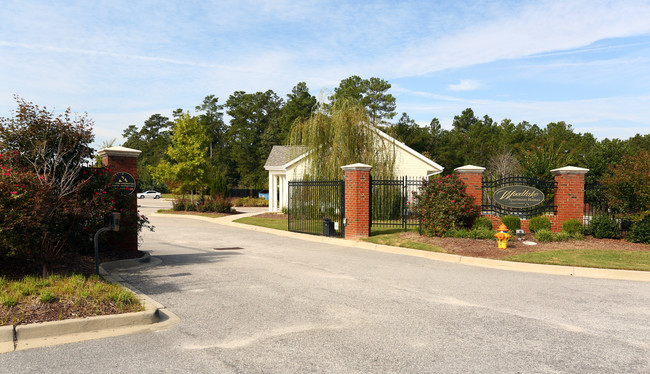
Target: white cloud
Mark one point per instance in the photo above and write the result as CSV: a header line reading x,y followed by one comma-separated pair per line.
x,y
537,28
465,85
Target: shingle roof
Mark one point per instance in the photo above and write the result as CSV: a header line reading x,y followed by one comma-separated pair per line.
x,y
281,154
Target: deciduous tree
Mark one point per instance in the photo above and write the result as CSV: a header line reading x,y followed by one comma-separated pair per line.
x,y
186,167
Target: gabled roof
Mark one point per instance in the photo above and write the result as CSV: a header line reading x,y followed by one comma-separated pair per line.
x,y
410,150
280,157
282,154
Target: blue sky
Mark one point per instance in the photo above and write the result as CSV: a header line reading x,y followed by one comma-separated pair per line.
x,y
583,62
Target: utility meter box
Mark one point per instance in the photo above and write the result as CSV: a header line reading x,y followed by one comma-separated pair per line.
x,y
114,221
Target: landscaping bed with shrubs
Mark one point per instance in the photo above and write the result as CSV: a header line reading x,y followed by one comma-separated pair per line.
x,y
569,247
71,292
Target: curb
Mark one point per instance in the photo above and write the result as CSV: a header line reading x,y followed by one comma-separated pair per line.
x,y
576,271
6,339
154,317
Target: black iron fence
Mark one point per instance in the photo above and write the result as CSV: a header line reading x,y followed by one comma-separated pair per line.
x,y
317,207
596,205
490,206
391,203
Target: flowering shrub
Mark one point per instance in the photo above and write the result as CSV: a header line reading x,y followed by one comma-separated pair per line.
x,y
444,205
50,203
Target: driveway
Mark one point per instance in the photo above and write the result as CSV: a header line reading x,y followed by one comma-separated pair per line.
x,y
252,302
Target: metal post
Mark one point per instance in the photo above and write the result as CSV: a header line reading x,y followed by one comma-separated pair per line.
x,y
96,242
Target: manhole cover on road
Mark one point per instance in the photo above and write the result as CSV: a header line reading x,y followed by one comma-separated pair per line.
x,y
227,248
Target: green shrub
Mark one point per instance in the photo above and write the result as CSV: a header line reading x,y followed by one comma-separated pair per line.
x,y
544,235
482,223
573,226
444,205
122,297
178,205
512,222
604,227
250,202
205,207
539,223
47,296
8,300
219,187
190,206
626,224
215,205
480,233
640,231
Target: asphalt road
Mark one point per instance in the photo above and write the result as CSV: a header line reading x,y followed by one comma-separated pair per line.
x,y
252,302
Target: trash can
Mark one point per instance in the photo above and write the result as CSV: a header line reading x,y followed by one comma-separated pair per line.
x,y
328,227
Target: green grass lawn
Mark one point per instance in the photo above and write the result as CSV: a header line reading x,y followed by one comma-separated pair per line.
x,y
396,241
272,223
375,230
591,258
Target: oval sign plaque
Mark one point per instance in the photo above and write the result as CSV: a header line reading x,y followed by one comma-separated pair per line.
x,y
124,182
518,196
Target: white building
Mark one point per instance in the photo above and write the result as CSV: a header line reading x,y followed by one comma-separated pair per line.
x,y
287,163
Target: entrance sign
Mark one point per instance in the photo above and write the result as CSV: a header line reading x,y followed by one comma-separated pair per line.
x,y
124,182
518,196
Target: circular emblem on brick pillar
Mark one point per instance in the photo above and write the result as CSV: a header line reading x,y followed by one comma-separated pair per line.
x,y
124,183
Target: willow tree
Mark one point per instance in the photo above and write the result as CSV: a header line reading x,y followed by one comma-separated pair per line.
x,y
341,136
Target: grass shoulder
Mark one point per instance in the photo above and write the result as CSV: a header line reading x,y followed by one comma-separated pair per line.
x,y
183,212
396,240
269,220
592,258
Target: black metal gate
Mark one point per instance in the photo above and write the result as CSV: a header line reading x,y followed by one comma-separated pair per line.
x,y
317,207
392,205
489,206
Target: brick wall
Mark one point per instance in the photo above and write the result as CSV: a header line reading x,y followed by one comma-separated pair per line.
x,y
569,194
472,176
357,200
120,159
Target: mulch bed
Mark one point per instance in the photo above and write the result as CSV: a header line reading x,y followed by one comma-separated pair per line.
x,y
488,248
35,311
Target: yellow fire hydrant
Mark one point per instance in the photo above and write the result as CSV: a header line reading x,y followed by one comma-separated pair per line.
x,y
502,236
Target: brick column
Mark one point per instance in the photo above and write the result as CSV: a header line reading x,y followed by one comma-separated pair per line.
x,y
472,176
357,200
569,194
122,159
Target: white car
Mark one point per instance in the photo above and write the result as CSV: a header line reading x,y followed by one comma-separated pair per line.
x,y
150,194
